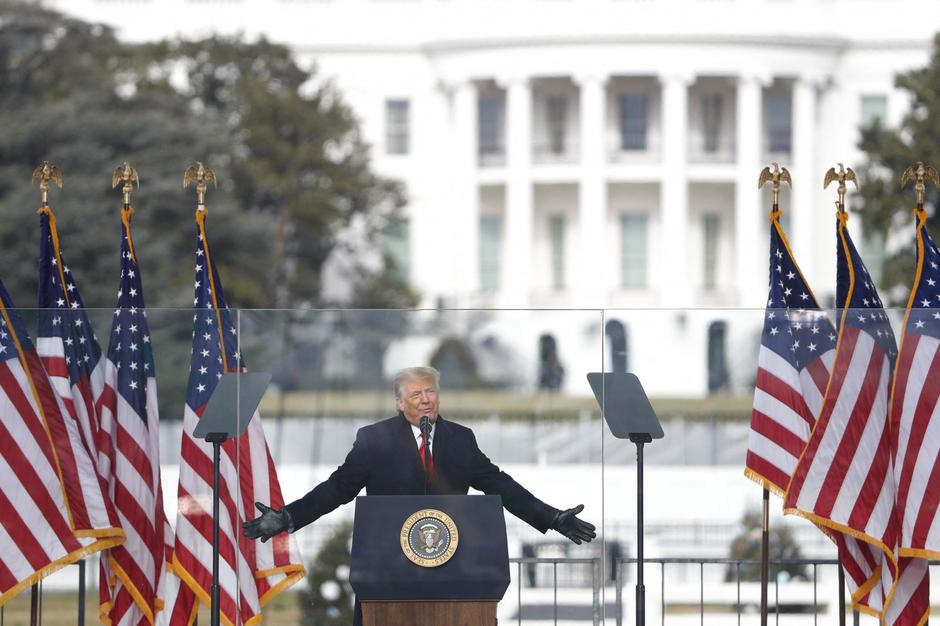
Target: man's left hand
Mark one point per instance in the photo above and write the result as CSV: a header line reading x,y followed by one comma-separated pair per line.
x,y
568,524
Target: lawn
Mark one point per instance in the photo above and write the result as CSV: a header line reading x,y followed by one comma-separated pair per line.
x,y
60,608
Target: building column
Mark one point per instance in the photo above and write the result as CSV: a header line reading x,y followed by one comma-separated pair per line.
x,y
807,178
748,277
591,282
516,270
673,283
463,196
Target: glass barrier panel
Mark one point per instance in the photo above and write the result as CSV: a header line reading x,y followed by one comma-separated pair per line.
x,y
518,379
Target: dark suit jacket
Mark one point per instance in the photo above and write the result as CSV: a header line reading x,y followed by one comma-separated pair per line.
x,y
384,460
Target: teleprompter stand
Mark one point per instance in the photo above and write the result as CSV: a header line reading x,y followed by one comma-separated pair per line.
x,y
230,408
629,415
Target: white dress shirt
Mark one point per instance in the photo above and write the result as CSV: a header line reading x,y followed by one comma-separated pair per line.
x,y
417,434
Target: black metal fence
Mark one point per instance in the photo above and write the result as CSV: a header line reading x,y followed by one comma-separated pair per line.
x,y
586,573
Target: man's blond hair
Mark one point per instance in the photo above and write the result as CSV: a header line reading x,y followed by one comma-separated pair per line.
x,y
410,374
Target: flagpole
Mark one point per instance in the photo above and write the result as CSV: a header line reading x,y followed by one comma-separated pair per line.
x,y
774,176
45,174
765,558
34,605
200,175
843,176
841,595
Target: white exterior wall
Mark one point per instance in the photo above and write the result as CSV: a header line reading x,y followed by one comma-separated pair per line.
x,y
440,54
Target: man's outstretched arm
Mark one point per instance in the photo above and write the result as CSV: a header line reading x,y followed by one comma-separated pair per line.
x,y
270,523
574,528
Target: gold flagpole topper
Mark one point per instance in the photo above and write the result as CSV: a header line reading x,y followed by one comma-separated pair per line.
x,y
920,173
842,176
129,176
45,173
776,176
200,174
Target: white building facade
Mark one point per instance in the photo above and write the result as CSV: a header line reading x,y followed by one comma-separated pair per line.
x,y
593,153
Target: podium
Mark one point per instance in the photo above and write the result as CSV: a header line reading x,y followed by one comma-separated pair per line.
x,y
429,560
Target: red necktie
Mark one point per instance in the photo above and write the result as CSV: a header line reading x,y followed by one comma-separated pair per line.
x,y
426,460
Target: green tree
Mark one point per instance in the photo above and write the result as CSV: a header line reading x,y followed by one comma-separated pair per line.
x,y
295,172
328,599
886,208
747,546
297,158
65,98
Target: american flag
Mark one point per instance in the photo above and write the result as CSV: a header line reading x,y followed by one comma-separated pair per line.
x,y
844,480
69,350
52,509
66,343
796,352
129,452
250,573
914,403
795,359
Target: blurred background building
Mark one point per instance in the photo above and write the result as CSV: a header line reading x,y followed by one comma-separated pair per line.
x,y
594,153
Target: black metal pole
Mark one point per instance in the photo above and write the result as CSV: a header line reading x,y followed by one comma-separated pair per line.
x,y
216,440
640,588
81,593
34,605
764,558
841,596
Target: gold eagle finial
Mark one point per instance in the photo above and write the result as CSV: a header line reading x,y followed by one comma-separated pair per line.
x,y
775,176
845,174
128,175
45,173
920,174
200,174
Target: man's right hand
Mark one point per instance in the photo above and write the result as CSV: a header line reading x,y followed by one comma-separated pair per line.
x,y
270,523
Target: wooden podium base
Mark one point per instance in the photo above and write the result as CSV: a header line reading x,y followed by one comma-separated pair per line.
x,y
452,613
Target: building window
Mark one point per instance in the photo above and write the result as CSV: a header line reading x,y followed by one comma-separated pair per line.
x,y
711,122
396,126
557,116
556,242
490,235
719,379
779,123
633,251
711,231
874,109
634,119
491,115
398,246
619,337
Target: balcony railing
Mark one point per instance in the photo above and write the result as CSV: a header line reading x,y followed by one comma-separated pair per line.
x,y
734,597
811,599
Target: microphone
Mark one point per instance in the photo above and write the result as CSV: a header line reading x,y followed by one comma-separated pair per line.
x,y
425,428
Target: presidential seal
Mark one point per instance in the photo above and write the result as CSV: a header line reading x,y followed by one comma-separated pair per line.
x,y
429,538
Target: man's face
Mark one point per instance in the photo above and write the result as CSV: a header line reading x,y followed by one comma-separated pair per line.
x,y
418,398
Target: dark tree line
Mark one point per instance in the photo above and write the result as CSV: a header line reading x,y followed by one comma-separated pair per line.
x,y
885,208
294,170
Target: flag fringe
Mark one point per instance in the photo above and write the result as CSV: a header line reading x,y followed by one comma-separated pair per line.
x,y
864,588
764,482
68,559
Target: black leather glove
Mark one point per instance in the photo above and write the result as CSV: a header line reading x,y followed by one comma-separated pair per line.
x,y
270,523
568,524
